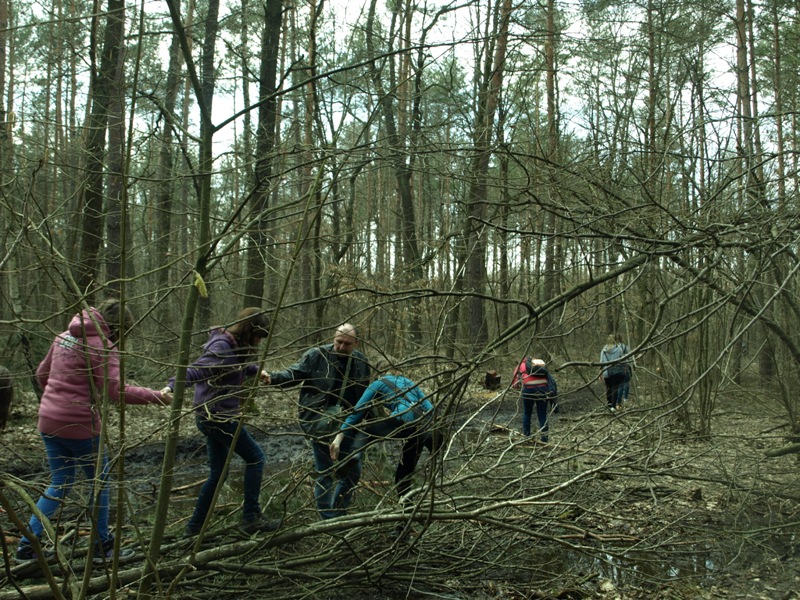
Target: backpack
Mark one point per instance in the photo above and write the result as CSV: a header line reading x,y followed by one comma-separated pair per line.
x,y
618,368
535,369
539,381
414,404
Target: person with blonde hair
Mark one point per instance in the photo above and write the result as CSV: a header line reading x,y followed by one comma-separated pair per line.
x,y
613,357
79,374
219,376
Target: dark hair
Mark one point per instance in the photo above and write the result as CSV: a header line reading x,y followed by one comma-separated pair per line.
x,y
115,315
251,323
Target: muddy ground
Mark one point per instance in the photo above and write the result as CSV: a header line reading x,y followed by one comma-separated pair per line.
x,y
711,473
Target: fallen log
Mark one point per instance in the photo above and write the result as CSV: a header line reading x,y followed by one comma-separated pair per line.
x,y
790,449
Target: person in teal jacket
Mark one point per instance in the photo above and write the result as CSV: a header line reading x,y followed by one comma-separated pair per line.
x,y
410,419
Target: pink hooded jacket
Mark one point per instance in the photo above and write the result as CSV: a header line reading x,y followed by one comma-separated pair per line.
x,y
74,375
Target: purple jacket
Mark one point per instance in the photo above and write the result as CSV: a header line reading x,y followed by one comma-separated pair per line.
x,y
218,376
80,369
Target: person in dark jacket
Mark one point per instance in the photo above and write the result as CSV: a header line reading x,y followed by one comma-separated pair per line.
x,y
219,377
6,396
333,378
614,368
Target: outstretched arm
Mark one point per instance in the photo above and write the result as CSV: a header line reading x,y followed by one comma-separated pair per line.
x,y
336,445
294,374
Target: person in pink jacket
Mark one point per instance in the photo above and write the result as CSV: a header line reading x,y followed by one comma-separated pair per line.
x,y
538,390
79,373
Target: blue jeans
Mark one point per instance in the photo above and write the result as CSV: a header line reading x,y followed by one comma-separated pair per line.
x,y
335,484
219,436
542,407
624,387
64,456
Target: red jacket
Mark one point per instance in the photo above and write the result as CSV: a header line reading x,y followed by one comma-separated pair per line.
x,y
534,382
80,369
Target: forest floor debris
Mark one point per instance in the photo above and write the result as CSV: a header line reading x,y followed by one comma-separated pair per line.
x,y
697,517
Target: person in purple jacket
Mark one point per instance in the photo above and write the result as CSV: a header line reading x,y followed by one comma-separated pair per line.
x,y
218,377
78,375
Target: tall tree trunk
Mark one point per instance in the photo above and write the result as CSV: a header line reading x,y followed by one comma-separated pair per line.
x,y
206,164
402,170
5,126
116,195
475,229
248,12
505,218
265,143
743,89
750,145
552,243
6,147
103,79
165,247
307,242
766,358
7,175
203,86
778,87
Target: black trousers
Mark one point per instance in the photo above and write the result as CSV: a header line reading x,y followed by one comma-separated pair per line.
x,y
416,436
612,388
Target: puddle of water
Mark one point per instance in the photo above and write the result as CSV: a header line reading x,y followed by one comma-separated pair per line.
x,y
636,568
700,565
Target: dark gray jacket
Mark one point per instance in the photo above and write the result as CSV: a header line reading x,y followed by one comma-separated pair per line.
x,y
317,371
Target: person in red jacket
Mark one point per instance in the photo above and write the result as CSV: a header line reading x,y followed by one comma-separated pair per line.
x,y
79,373
538,389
